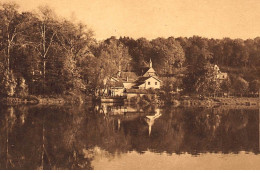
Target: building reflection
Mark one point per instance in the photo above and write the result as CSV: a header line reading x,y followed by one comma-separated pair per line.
x,y
41,137
123,113
149,119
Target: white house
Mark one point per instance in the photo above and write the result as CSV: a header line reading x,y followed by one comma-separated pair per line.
x,y
129,80
220,75
148,82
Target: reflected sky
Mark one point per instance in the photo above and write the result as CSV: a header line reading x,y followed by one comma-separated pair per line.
x,y
155,161
121,136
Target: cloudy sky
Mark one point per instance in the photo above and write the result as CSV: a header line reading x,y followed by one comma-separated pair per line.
x,y
160,18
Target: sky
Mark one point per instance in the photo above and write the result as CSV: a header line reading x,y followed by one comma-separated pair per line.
x,y
159,18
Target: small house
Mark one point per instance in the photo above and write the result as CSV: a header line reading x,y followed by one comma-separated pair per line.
x,y
148,83
123,81
220,75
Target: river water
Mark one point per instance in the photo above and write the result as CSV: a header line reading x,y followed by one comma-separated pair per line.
x,y
128,137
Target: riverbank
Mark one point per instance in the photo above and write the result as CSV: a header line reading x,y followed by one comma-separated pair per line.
x,y
243,102
47,100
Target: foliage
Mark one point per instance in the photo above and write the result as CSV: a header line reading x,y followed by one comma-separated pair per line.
x,y
22,88
167,54
110,57
254,86
202,79
63,56
8,84
226,85
240,85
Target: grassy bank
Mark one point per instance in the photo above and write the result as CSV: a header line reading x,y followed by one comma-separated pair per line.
x,y
242,102
69,98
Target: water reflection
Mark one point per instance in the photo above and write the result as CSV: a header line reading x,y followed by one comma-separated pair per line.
x,y
51,137
151,118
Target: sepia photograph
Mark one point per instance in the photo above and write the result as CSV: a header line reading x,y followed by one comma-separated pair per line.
x,y
129,85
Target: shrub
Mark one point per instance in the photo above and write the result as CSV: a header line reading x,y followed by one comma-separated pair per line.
x,y
22,88
8,84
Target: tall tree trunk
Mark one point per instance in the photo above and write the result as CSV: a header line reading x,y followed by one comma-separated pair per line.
x,y
8,50
8,57
44,55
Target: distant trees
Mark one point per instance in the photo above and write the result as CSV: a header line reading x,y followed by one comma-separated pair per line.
x,y
9,24
41,53
230,55
139,50
167,54
224,52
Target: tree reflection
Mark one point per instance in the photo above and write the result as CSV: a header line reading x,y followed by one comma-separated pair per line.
x,y
44,138
51,137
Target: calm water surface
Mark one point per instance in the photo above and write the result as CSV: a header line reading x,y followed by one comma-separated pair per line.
x,y
128,137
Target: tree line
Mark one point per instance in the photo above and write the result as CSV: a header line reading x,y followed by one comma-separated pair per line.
x,y
44,54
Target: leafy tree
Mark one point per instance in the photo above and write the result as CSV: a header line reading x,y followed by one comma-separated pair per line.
x,y
254,86
75,40
197,49
109,57
40,39
202,79
226,85
9,26
167,54
8,84
240,53
240,85
140,50
22,88
207,83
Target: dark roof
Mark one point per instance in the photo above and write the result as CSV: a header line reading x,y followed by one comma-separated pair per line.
x,y
141,80
117,84
131,76
144,70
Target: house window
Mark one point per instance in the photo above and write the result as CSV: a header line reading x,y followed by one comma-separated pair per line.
x,y
155,83
149,83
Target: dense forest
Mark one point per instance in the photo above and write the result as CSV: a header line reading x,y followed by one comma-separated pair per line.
x,y
44,54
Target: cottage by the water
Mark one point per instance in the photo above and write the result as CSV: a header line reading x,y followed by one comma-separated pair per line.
x,y
129,81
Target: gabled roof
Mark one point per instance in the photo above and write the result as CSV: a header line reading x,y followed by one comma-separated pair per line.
x,y
130,75
150,70
155,77
141,80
